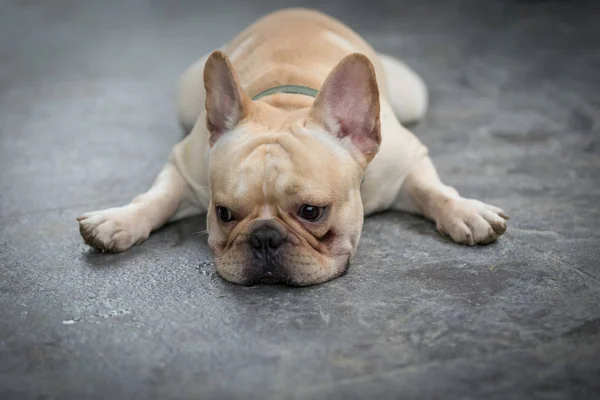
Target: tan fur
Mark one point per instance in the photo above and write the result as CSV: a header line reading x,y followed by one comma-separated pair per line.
x,y
269,157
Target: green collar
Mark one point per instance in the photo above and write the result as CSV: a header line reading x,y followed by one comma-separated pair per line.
x,y
291,89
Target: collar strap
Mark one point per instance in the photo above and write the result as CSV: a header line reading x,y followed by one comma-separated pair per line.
x,y
291,89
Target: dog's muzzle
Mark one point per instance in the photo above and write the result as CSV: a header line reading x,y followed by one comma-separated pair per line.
x,y
266,244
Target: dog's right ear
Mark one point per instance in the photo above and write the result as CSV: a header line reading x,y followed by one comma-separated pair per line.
x,y
226,103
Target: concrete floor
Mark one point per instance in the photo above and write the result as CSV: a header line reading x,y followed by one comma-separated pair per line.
x,y
87,120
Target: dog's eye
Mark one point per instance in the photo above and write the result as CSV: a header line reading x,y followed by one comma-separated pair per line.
x,y
310,213
224,213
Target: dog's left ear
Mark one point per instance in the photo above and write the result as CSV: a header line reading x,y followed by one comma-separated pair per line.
x,y
226,103
348,107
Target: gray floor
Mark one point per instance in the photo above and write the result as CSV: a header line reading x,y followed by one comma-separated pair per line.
x,y
86,121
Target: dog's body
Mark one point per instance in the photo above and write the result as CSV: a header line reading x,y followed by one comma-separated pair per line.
x,y
256,156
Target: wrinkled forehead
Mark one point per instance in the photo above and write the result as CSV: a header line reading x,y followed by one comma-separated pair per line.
x,y
268,169
278,165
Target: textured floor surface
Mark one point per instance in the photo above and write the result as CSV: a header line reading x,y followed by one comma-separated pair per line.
x,y
87,120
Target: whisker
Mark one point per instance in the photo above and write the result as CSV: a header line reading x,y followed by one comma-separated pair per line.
x,y
202,233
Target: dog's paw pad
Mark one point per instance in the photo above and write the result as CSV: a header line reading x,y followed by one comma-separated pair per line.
x,y
471,222
113,229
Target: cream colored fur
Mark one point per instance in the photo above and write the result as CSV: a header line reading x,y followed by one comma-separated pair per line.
x,y
294,47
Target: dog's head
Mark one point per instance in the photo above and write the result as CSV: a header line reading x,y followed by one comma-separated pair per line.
x,y
285,184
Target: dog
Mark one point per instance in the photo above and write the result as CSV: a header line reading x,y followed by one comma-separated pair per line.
x,y
295,132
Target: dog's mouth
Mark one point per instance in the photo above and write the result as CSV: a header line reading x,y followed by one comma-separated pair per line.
x,y
268,281
270,277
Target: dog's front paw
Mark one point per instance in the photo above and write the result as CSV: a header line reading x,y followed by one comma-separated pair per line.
x,y
471,222
114,229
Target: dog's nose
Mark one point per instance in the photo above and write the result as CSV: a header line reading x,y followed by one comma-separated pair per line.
x,y
266,238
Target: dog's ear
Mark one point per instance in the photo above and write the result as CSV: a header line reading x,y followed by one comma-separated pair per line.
x,y
226,103
348,106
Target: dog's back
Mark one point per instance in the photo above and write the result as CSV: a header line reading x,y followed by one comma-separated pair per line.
x,y
294,46
301,47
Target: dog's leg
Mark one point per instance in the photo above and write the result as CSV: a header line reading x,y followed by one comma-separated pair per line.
x,y
466,221
406,90
170,198
117,229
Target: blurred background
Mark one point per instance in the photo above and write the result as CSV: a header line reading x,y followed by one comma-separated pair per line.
x,y
87,119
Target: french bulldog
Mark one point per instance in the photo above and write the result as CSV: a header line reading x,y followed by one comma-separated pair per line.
x,y
295,132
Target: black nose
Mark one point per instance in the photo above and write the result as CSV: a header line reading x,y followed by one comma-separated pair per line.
x,y
266,238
